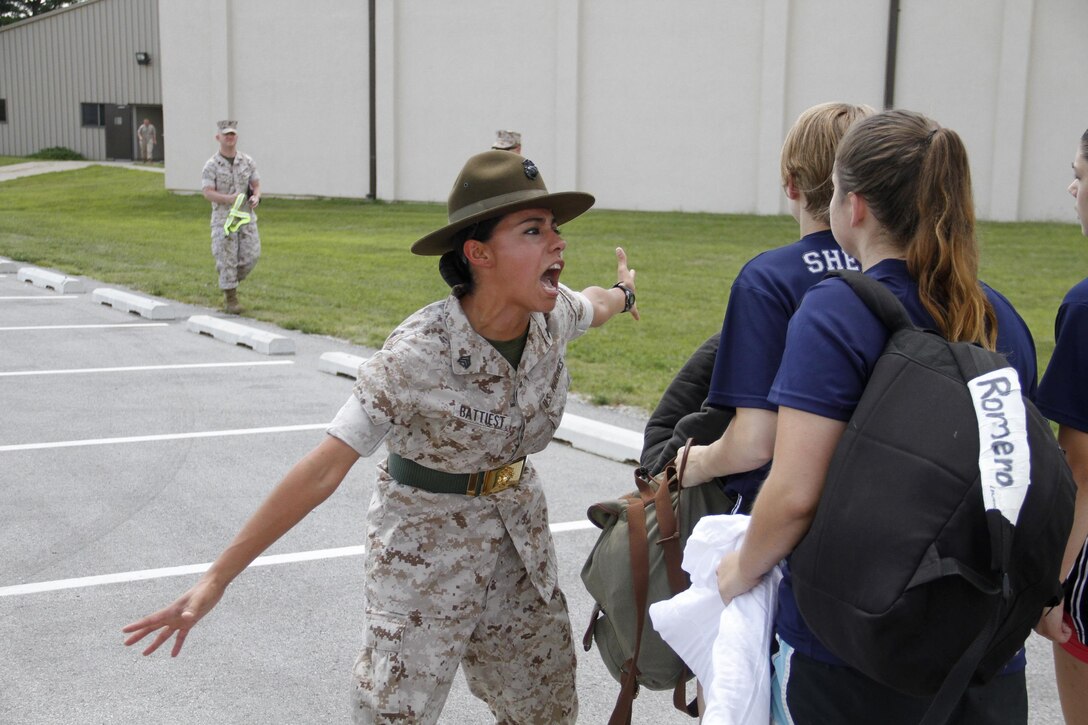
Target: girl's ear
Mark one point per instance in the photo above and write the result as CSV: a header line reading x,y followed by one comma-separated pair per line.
x,y
859,208
478,253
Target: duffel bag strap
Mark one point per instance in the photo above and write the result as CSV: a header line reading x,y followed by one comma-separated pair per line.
x,y
640,584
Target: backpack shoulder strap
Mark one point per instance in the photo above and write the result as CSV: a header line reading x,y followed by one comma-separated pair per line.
x,y
879,299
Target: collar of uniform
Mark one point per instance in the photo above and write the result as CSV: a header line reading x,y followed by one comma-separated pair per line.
x,y
470,353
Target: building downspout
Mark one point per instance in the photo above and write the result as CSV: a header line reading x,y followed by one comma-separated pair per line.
x,y
892,52
373,112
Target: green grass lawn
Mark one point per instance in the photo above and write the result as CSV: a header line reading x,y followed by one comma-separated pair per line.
x,y
342,268
8,160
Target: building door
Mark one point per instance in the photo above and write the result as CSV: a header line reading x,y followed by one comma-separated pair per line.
x,y
153,114
120,135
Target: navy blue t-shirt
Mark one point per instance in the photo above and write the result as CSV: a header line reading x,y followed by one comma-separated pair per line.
x,y
1063,394
832,345
763,298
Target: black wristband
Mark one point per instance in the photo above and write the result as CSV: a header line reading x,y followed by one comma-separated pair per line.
x,y
628,296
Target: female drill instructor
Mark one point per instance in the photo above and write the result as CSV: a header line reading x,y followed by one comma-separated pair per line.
x,y
460,566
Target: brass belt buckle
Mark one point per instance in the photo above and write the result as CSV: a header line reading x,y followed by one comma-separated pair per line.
x,y
500,479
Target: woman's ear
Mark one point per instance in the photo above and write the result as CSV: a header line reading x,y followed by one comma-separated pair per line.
x,y
477,253
859,208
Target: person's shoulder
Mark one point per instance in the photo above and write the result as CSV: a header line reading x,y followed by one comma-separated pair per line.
x,y
1077,294
1001,303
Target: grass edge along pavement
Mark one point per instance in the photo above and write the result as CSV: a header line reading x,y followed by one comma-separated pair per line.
x,y
342,268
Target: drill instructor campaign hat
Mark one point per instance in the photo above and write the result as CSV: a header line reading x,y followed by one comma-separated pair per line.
x,y
493,184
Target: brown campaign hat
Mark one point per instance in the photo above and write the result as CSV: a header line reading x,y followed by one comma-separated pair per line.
x,y
493,184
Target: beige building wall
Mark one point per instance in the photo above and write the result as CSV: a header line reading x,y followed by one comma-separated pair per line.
x,y
648,105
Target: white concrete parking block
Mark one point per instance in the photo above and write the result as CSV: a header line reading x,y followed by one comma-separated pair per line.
x,y
602,439
8,267
50,280
137,305
261,341
340,363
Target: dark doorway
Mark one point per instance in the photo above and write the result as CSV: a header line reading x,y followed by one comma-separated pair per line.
x,y
153,114
120,134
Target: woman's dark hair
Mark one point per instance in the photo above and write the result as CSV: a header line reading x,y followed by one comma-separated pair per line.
x,y
454,267
1084,145
916,180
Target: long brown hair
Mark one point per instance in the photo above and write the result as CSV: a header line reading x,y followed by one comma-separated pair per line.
x,y
915,178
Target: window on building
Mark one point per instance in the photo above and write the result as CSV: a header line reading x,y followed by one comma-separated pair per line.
x,y
94,114
3,110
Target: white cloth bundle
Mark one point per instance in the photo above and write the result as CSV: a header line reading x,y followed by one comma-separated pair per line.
x,y
728,648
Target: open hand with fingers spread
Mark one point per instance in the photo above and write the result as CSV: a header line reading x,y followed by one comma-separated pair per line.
x,y
177,618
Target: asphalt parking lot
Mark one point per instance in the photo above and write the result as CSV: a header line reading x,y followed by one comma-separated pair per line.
x,y
132,449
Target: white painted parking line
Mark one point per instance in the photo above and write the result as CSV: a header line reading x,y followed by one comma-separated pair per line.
x,y
270,560
85,327
143,368
161,437
40,297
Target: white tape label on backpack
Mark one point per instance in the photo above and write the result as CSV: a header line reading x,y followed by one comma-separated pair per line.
x,y
1004,459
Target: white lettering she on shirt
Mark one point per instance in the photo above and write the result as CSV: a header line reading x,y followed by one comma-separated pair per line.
x,y
826,260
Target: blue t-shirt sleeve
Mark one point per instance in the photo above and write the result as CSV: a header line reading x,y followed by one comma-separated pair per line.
x,y
750,349
1063,394
828,358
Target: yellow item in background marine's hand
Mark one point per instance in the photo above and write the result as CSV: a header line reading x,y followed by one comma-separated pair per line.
x,y
236,217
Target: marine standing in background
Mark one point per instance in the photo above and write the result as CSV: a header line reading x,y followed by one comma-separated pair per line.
x,y
147,136
226,175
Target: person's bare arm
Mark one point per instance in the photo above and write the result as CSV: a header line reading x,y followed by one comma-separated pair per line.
x,y
786,504
218,197
312,480
746,444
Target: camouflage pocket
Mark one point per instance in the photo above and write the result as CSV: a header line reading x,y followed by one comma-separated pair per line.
x,y
384,632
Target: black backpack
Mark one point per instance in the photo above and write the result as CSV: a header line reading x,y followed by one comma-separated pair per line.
x,y
906,574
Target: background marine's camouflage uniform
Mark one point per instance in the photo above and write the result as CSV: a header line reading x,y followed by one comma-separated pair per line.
x,y
454,579
235,254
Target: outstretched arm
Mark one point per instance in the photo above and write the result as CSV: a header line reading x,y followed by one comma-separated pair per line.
x,y
610,302
312,480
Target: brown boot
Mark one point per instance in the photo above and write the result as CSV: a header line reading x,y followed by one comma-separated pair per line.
x,y
232,307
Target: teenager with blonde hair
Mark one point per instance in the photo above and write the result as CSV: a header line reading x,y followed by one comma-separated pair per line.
x,y
763,297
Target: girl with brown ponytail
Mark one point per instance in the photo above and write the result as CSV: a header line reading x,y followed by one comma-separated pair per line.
x,y
902,207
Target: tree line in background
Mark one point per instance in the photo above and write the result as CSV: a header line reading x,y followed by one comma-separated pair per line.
x,y
12,11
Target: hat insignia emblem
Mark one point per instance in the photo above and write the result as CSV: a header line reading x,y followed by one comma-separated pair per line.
x,y
464,361
530,169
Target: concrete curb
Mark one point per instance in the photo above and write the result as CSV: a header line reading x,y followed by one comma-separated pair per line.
x,y
260,341
135,304
602,439
8,267
49,280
